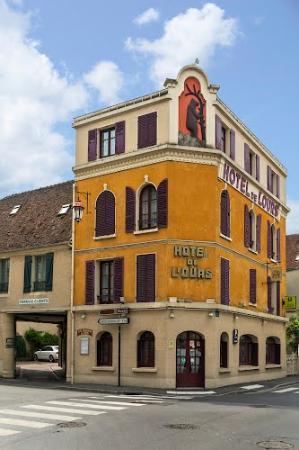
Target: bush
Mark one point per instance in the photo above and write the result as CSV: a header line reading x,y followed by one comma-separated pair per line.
x,y
293,334
38,339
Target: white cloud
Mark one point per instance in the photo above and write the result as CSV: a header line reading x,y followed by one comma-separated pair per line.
x,y
150,15
34,99
293,217
194,33
107,79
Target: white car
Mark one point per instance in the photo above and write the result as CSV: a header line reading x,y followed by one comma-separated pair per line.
x,y
48,353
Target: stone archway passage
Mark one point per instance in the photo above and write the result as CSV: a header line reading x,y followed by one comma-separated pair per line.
x,y
190,360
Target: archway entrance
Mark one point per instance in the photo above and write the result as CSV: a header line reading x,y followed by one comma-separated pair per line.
x,y
190,360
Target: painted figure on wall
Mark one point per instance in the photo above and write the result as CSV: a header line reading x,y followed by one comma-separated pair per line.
x,y
192,115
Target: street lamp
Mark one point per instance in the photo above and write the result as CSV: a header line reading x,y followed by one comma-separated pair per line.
x,y
78,209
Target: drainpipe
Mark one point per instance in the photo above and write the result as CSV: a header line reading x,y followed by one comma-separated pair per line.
x,y
72,294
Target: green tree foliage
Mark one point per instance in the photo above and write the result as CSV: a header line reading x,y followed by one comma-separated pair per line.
x,y
293,333
38,339
21,351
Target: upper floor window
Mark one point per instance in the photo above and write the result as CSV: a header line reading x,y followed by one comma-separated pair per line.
x,y
225,281
111,142
225,138
4,275
273,242
147,130
146,350
273,296
148,208
107,144
273,182
105,214
251,162
105,280
252,286
225,214
38,273
146,278
252,230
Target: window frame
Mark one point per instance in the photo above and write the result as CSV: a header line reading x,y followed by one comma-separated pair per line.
x,y
273,350
110,295
224,347
4,285
109,140
146,349
248,350
151,221
104,356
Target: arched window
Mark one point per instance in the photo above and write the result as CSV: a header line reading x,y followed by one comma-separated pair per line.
x,y
148,208
105,214
248,350
272,350
224,350
146,350
225,214
104,350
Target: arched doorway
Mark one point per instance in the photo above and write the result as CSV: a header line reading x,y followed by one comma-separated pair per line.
x,y
190,360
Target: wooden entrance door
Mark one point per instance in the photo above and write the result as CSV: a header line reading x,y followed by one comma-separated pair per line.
x,y
190,358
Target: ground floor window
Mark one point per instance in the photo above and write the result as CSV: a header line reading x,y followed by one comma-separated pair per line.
x,y
272,350
146,350
224,350
104,350
248,354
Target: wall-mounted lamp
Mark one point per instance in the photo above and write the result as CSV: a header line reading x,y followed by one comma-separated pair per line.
x,y
83,316
78,208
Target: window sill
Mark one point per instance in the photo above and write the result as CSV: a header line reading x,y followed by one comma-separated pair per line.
x,y
273,366
103,369
252,304
225,237
253,251
107,236
150,230
144,369
224,370
4,294
274,260
247,368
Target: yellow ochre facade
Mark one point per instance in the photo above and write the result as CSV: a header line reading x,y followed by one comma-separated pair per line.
x,y
179,257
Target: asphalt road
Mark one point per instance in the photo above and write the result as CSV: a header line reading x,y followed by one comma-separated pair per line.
x,y
232,418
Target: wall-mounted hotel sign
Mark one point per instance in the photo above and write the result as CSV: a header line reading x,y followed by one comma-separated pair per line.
x,y
192,255
242,184
84,332
33,301
276,274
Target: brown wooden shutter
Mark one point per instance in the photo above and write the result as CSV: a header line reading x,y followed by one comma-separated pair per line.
x,y
269,179
218,126
120,137
257,168
224,285
162,203
118,279
252,285
130,210
146,276
269,240
278,186
232,144
254,354
278,253
258,232
89,282
92,145
225,214
269,294
105,214
246,227
278,298
246,158
147,130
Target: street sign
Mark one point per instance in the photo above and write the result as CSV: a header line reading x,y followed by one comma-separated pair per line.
x,y
290,302
235,335
113,320
122,310
33,301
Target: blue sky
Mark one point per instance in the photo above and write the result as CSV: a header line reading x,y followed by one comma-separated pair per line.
x,y
57,56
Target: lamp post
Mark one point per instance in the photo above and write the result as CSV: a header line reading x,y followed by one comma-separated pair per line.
x,y
78,207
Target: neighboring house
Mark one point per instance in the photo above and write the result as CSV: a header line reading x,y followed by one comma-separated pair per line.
x,y
292,274
180,252
35,265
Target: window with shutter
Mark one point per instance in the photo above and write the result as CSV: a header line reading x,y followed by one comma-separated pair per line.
x,y
146,350
105,214
146,278
225,214
232,144
258,233
162,201
92,145
252,286
107,145
252,230
147,130
278,257
118,279
148,208
246,227
218,127
130,210
27,274
269,295
224,284
89,282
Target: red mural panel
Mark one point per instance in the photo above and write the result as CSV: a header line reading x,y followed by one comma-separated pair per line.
x,y
192,114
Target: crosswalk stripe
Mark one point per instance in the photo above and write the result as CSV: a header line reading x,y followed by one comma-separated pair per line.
x,y
40,415
134,397
5,432
252,386
87,405
104,402
191,392
83,412
24,423
282,391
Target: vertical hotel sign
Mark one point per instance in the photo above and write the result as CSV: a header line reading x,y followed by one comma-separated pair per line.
x,y
241,183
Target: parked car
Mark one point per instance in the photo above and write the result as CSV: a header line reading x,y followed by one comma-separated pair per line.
x,y
48,353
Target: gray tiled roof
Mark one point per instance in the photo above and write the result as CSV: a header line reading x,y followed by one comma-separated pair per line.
x,y
292,251
37,223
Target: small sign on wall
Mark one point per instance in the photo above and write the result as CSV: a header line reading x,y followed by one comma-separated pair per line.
x,y
84,345
235,336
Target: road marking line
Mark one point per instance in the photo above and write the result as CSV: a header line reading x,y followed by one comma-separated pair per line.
x,y
84,412
103,402
5,432
282,391
133,397
24,423
252,386
87,405
191,392
41,415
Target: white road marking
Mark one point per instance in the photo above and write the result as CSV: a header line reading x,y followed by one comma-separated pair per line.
x,y
24,423
135,397
84,412
282,391
252,386
5,432
40,415
104,402
87,405
191,392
